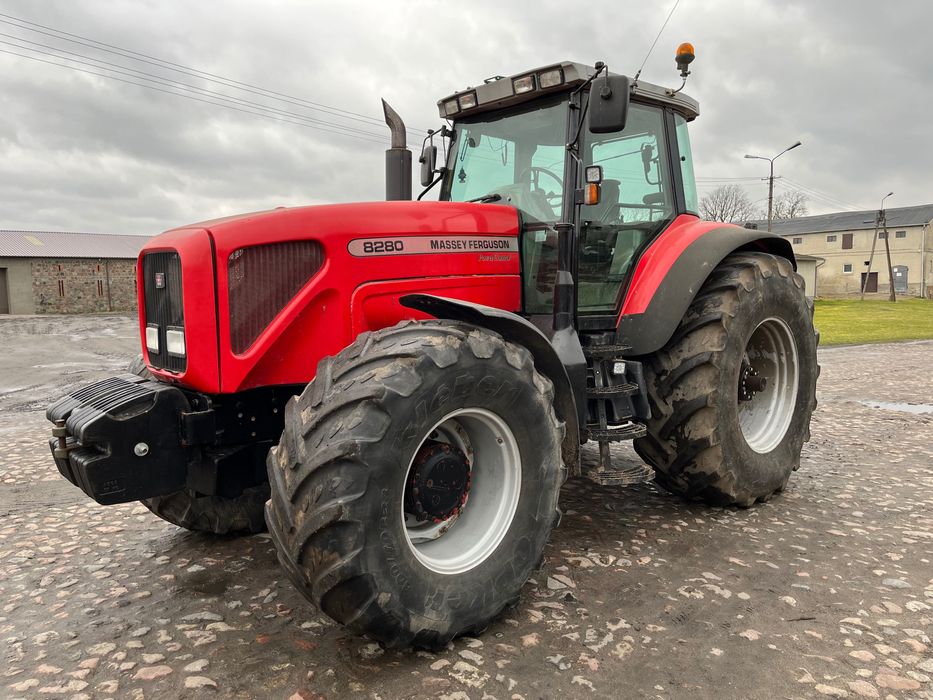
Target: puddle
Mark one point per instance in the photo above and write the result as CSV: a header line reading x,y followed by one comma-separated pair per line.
x,y
904,407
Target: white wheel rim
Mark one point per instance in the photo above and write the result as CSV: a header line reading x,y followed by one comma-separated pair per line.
x,y
466,540
765,418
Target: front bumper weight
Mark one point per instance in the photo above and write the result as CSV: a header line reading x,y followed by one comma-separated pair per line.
x,y
120,439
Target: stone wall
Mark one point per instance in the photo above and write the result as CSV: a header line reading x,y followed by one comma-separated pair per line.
x,y
81,285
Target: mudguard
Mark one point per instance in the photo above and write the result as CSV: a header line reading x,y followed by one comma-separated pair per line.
x,y
672,285
518,330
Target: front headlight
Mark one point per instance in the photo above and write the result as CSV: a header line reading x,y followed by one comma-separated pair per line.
x,y
175,341
152,338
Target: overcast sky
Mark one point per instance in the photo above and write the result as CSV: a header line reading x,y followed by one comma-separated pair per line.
x,y
849,78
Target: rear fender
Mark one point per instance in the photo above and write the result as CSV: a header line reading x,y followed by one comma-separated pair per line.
x,y
671,273
516,329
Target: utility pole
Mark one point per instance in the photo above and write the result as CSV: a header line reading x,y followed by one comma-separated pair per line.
x,y
871,257
879,217
770,195
887,250
771,179
923,260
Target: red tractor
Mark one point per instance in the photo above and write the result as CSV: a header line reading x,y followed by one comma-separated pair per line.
x,y
399,389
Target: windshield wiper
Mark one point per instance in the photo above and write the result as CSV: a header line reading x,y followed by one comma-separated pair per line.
x,y
487,198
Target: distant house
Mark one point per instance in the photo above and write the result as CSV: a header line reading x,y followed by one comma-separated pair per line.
x,y
844,242
54,272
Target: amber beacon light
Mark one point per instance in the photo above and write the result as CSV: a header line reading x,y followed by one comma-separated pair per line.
x,y
685,55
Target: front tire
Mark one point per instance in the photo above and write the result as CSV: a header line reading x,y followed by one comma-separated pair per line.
x,y
218,515
718,433
416,482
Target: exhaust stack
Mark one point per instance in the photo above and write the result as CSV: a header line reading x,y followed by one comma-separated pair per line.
x,y
398,158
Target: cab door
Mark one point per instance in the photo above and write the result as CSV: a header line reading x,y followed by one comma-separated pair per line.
x,y
638,201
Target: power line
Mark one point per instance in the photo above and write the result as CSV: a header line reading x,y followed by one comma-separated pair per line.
x,y
187,70
785,182
728,179
834,201
142,75
190,97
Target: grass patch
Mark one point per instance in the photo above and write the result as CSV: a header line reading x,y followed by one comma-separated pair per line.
x,y
850,321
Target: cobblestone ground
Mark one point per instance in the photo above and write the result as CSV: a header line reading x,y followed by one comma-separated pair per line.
x,y
826,590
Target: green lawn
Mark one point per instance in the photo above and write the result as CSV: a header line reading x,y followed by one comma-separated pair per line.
x,y
850,321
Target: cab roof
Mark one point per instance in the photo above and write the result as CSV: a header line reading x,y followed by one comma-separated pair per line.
x,y
499,92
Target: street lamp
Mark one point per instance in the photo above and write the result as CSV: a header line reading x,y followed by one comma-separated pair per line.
x,y
771,177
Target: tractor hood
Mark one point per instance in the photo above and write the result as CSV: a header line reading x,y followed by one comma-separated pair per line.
x,y
263,296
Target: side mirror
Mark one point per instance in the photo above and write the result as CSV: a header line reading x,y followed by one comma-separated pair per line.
x,y
428,162
609,99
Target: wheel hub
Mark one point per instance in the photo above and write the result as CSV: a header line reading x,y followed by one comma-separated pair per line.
x,y
438,483
750,383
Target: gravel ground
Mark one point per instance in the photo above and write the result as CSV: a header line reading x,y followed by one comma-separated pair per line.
x,y
826,590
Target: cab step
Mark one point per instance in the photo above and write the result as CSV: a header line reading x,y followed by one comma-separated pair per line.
x,y
630,475
630,431
608,392
605,352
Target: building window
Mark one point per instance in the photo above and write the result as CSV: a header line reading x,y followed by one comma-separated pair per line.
x,y
61,288
900,234
846,241
882,235
847,267
830,239
100,288
798,241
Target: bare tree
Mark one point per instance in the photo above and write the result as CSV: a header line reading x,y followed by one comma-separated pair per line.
x,y
790,205
728,203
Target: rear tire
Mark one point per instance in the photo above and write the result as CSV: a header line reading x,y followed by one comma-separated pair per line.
x,y
703,441
342,477
214,514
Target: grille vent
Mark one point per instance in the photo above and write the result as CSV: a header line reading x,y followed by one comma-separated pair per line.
x,y
262,280
164,304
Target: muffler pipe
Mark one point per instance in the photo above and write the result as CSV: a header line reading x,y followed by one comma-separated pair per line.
x,y
398,158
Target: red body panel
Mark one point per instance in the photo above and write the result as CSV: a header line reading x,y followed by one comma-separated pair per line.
x,y
348,294
656,261
197,265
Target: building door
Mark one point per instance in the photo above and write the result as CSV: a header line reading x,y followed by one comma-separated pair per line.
x,y
900,278
872,285
4,293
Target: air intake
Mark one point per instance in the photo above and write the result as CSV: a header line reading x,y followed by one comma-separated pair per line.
x,y
262,280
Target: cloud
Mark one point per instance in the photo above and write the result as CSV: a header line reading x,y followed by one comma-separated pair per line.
x,y
80,152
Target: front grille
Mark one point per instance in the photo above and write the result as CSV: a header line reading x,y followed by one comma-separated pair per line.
x,y
262,280
164,305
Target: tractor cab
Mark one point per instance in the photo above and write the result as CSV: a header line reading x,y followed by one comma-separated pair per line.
x,y
532,141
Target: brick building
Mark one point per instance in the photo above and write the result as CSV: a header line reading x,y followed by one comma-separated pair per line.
x,y
49,272
844,243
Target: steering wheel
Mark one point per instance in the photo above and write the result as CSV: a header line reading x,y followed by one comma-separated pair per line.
x,y
533,172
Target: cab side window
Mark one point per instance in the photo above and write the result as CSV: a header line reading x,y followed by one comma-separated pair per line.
x,y
636,203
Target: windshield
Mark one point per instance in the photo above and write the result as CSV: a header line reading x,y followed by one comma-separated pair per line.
x,y
518,155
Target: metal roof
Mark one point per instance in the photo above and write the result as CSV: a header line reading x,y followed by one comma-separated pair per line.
x,y
61,244
898,217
